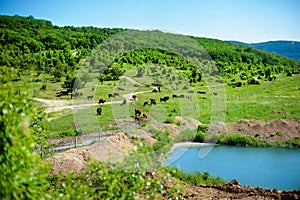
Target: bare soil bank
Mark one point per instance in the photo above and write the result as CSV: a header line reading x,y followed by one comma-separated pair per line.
x,y
273,130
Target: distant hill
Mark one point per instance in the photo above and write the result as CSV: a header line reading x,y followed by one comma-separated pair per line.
x,y
290,49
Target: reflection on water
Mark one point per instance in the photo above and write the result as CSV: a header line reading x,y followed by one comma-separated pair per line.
x,y
264,167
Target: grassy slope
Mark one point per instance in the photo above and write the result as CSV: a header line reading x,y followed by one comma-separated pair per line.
x,y
246,102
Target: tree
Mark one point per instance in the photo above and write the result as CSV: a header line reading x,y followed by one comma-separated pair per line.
x,y
72,84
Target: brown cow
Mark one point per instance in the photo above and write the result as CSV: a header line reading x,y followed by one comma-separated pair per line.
x,y
99,111
137,111
145,115
138,119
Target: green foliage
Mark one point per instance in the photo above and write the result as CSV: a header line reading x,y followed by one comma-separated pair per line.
x,y
21,175
164,142
196,178
110,182
238,139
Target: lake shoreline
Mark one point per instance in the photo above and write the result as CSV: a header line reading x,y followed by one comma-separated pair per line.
x,y
225,156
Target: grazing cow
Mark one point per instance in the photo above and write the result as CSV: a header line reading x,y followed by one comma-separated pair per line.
x,y
113,95
137,120
189,97
101,101
164,99
153,101
145,115
77,94
202,92
99,111
175,96
146,103
137,112
90,97
214,93
134,97
124,102
181,96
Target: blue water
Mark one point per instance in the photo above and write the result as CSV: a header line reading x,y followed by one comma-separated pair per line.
x,y
263,167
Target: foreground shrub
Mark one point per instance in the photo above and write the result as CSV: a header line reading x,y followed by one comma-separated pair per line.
x,y
21,173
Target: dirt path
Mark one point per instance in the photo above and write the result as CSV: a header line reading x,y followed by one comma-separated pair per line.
x,y
59,105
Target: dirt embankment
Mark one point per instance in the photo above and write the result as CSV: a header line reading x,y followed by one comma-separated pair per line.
x,y
113,149
273,130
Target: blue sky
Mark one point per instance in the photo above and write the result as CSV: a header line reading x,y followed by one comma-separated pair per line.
x,y
242,20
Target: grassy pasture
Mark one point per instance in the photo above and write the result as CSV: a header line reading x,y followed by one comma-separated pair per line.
x,y
270,100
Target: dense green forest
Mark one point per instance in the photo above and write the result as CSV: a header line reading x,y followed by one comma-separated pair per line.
x,y
34,47
31,45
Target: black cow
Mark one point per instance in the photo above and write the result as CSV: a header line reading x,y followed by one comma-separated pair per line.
x,y
146,103
202,92
113,95
99,111
101,101
175,96
90,97
134,97
153,101
124,102
77,94
164,99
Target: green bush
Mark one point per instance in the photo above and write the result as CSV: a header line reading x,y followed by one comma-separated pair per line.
x,y
238,139
196,178
200,137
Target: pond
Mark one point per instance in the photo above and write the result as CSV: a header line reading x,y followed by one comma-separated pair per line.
x,y
263,167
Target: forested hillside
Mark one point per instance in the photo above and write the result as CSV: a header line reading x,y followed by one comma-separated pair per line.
x,y
29,44
33,45
290,49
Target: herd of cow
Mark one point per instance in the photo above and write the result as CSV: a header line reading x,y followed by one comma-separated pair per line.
x,y
139,115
